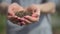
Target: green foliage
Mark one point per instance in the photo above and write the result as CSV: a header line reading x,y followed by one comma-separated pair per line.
x,y
2,23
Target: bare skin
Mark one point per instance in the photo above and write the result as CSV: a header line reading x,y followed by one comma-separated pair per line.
x,y
12,9
36,9
48,7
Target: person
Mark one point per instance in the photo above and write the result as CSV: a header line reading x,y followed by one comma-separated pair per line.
x,y
43,26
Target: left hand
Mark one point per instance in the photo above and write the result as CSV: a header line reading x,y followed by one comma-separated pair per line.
x,y
36,13
12,9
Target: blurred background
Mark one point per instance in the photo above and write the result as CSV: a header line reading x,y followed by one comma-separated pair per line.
x,y
55,18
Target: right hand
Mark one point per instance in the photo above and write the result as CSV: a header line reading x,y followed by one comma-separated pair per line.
x,y
12,9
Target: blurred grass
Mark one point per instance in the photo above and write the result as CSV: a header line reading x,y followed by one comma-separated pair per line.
x,y
2,24
56,23
55,20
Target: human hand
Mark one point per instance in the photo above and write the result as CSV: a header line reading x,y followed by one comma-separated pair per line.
x,y
35,16
12,9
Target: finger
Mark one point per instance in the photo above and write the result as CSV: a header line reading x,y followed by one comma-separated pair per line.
x,y
23,23
9,17
27,21
35,15
31,18
12,16
22,19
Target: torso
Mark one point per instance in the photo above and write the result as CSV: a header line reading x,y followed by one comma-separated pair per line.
x,y
35,27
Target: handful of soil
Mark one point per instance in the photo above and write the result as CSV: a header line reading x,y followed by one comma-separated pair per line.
x,y
21,14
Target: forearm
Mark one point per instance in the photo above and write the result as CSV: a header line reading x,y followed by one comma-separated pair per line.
x,y
47,7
